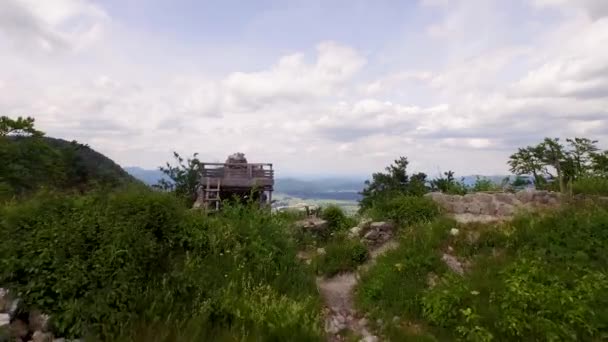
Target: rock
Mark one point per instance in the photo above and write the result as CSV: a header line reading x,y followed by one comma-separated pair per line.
x,y
40,336
432,280
450,249
14,308
364,223
505,210
354,232
379,322
363,322
4,300
473,208
381,226
19,329
371,235
396,319
335,324
453,263
313,224
369,338
5,319
321,251
38,321
454,231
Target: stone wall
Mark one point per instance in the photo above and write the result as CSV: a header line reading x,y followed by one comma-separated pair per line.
x,y
495,205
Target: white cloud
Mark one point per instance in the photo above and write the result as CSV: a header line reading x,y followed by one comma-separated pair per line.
x,y
461,102
595,8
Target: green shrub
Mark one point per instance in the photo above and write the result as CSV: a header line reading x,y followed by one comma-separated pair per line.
x,y
105,265
336,218
591,186
484,184
341,256
405,210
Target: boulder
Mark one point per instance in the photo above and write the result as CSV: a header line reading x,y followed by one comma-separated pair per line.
x,y
372,235
354,232
5,319
381,226
525,196
505,210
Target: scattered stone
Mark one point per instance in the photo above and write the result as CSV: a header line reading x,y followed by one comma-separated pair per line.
x,y
12,311
396,319
369,338
363,322
379,321
321,251
38,321
453,263
450,249
432,280
40,336
5,319
454,231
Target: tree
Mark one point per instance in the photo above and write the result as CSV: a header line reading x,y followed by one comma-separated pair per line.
x,y
184,178
579,158
394,181
527,161
18,127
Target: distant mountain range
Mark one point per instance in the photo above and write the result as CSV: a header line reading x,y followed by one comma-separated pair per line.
x,y
332,188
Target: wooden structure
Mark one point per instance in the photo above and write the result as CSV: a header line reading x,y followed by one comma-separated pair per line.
x,y
245,181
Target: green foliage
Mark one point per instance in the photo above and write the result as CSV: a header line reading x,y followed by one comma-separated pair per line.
x,y
567,164
591,186
110,264
336,218
448,184
341,255
31,162
394,182
404,210
484,184
184,178
535,278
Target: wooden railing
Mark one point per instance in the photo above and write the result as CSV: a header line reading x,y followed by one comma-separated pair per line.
x,y
244,171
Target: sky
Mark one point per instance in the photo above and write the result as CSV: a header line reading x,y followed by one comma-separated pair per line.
x,y
315,87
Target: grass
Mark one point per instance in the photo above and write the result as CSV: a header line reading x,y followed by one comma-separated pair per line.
x,y
539,277
341,255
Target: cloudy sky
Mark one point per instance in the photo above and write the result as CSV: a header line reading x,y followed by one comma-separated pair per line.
x,y
316,87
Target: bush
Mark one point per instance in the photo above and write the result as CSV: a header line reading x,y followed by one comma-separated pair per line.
x,y
335,217
405,210
341,256
106,265
591,186
484,184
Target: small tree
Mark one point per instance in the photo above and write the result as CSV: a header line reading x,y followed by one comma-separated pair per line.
x,y
183,178
394,181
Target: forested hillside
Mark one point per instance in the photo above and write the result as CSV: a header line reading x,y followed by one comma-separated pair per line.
x,y
32,161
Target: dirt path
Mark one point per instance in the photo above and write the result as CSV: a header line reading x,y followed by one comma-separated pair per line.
x,y
337,292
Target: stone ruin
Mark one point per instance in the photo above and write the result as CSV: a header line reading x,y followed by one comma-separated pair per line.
x,y
494,206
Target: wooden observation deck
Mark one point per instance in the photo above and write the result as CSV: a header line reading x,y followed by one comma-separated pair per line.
x,y
225,180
